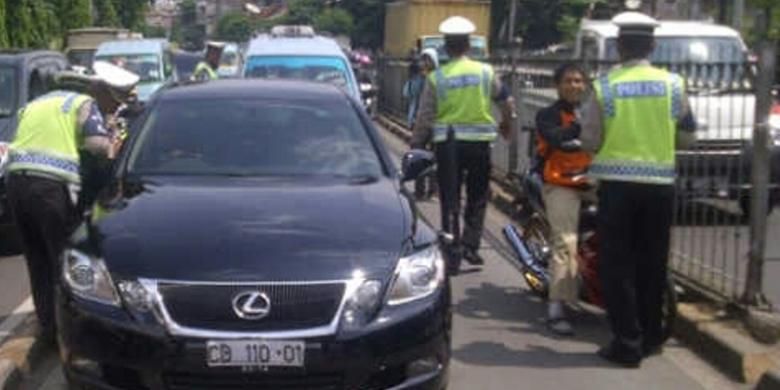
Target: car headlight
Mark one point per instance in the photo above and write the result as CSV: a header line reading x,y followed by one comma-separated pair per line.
x,y
417,276
88,278
362,304
136,295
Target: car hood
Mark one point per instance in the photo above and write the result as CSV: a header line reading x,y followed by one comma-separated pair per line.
x,y
251,230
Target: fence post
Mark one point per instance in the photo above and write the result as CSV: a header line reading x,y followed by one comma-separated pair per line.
x,y
513,140
754,293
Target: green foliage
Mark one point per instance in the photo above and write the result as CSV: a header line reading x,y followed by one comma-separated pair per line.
x,y
3,30
131,12
74,13
335,21
186,31
234,27
105,13
154,32
369,20
303,11
362,20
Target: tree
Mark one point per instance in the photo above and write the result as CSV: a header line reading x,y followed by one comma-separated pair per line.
x,y
234,27
335,21
3,30
369,20
74,14
186,31
131,12
303,11
105,13
154,32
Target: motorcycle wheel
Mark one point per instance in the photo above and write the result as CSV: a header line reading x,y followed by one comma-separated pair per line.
x,y
538,244
669,308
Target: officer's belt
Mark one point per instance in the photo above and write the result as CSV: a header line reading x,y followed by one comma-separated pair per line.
x,y
38,174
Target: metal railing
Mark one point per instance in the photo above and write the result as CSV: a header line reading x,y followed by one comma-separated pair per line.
x,y
711,237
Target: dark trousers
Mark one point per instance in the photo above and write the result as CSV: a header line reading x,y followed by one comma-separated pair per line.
x,y
44,216
459,162
634,228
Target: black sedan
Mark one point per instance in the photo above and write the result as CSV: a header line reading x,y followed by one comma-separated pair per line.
x,y
255,236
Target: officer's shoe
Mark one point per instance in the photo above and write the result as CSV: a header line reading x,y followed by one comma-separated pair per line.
x,y
472,256
621,355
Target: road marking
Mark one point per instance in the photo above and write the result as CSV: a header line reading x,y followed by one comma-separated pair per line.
x,y
15,318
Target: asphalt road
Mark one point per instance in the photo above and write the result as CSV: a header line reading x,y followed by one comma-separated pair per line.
x,y
501,342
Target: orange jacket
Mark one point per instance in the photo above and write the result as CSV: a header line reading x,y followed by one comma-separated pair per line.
x,y
560,167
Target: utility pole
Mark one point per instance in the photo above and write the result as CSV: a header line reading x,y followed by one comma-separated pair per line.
x,y
754,285
739,14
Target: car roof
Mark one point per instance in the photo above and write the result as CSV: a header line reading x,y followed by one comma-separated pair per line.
x,y
254,89
131,46
265,45
15,56
607,29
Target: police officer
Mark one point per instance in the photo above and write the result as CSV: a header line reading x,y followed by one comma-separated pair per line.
x,y
456,107
633,122
207,69
44,173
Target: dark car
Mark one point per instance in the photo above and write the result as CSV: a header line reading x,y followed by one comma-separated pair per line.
x,y
255,236
23,77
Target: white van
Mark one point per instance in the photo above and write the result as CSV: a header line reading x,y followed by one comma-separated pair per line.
x,y
714,60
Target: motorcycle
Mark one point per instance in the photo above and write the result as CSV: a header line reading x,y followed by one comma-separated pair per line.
x,y
533,249
368,96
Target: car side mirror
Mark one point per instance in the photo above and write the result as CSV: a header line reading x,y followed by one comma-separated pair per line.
x,y
414,163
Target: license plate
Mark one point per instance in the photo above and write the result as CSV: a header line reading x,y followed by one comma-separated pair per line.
x,y
265,353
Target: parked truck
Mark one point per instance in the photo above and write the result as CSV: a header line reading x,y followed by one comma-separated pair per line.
x,y
413,25
80,44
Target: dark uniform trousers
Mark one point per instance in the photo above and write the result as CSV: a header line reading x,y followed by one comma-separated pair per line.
x,y
459,162
634,228
45,216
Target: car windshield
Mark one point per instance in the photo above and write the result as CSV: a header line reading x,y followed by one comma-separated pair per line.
x,y
711,60
7,91
478,47
672,50
244,137
331,70
229,58
81,57
146,66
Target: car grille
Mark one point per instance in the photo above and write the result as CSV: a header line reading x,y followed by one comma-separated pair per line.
x,y
294,306
240,381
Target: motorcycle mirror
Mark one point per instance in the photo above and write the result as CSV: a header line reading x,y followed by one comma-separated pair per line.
x,y
414,163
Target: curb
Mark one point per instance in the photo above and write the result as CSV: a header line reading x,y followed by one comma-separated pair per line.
x,y
21,353
720,342
715,339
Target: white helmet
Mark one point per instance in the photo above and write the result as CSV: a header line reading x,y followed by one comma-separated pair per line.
x,y
116,77
635,23
457,25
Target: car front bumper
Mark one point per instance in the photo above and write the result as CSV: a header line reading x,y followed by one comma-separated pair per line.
x,y
105,348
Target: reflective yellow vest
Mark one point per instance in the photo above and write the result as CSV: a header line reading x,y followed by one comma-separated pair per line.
x,y
463,91
48,136
204,69
640,105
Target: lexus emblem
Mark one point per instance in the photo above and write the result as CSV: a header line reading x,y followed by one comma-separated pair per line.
x,y
252,305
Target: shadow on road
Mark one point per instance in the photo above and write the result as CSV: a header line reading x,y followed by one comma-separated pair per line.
x,y
520,312
487,353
